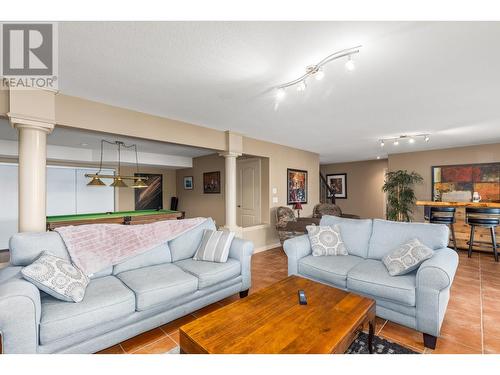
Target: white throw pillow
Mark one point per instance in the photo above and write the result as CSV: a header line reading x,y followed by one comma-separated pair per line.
x,y
57,277
214,246
407,257
326,240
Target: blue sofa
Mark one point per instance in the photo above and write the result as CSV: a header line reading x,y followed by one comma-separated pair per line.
x,y
417,300
135,296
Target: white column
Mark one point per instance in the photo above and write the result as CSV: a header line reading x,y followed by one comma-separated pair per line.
x,y
230,190
32,173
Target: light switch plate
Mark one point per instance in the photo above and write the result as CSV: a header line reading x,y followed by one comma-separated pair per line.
x,y
275,191
275,199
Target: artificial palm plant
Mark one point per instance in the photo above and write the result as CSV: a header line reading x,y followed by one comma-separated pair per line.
x,y
400,195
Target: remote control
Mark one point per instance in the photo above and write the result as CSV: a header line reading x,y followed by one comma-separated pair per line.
x,y
302,298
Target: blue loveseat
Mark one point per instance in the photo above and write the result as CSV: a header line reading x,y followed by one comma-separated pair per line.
x,y
120,302
417,300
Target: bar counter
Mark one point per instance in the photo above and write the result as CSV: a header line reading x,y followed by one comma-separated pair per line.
x,y
462,230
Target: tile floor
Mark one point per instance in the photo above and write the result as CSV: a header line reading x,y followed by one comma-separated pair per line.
x,y
469,326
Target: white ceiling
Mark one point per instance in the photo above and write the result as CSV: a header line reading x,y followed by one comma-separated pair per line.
x,y
92,141
441,78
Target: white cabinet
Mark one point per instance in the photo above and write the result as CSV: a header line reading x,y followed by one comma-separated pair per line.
x,y
67,193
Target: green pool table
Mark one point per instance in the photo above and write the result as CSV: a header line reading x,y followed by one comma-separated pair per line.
x,y
118,217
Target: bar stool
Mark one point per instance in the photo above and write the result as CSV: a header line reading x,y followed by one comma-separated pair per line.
x,y
442,215
484,217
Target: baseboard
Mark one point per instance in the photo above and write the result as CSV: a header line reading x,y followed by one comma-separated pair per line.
x,y
267,247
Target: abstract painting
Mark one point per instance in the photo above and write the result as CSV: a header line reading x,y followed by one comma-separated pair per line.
x,y
338,183
296,186
211,182
456,183
150,197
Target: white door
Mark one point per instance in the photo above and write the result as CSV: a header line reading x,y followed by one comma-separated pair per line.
x,y
248,192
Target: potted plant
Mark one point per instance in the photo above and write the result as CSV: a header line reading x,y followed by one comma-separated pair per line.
x,y
400,195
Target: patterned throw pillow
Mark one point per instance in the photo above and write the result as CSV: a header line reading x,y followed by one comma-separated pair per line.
x,y
214,246
57,277
326,240
407,257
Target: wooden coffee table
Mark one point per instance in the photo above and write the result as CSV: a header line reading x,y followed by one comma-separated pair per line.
x,y
272,321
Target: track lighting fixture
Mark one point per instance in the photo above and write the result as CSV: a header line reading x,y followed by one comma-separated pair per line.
x,y
317,71
411,139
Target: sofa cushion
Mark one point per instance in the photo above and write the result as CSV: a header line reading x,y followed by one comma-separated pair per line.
x,y
158,255
332,270
26,247
214,246
184,246
57,277
326,240
210,273
157,285
387,235
406,258
106,299
371,277
355,233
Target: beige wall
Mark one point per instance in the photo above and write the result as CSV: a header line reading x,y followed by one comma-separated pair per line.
x,y
281,158
85,114
126,196
421,162
364,179
364,187
194,202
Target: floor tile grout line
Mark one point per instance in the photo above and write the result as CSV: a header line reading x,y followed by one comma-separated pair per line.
x,y
381,328
149,343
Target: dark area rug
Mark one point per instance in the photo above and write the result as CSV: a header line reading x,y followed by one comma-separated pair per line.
x,y
360,346
380,346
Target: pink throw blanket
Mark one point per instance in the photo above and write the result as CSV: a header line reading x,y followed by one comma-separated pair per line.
x,y
94,247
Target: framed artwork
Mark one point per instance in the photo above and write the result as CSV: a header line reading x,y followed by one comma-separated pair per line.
x,y
211,182
458,183
338,183
296,183
151,197
188,183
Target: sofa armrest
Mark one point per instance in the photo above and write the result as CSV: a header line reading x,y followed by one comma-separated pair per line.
x,y
295,249
434,279
438,272
242,251
19,312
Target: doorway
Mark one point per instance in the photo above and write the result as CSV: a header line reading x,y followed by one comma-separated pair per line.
x,y
248,196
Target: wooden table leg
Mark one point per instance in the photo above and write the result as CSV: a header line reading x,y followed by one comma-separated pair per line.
x,y
371,333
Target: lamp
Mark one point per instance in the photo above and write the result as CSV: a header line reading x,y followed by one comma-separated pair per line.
x,y
139,184
96,181
118,182
297,206
118,179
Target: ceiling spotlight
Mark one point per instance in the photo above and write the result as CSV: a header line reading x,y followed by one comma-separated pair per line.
x,y
378,157
411,140
349,65
301,86
427,138
280,93
382,143
396,142
319,75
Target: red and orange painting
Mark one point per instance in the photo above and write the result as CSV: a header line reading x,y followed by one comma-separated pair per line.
x,y
459,182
